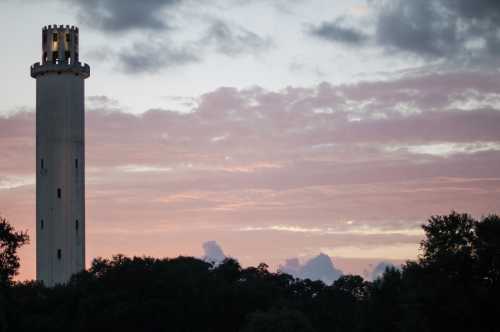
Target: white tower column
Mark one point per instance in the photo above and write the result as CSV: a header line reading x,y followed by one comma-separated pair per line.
x,y
60,156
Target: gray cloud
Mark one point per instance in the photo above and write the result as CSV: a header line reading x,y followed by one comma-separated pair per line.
x,y
124,15
478,9
153,56
336,32
417,26
440,28
159,50
234,40
317,268
428,28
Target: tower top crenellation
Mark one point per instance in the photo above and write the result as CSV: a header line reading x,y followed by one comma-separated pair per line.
x,y
60,51
60,27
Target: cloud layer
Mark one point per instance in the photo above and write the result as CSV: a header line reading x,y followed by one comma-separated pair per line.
x,y
349,170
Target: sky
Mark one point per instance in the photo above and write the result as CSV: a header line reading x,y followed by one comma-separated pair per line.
x,y
274,131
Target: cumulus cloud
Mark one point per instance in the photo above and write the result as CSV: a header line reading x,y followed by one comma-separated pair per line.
x,y
316,268
213,252
379,269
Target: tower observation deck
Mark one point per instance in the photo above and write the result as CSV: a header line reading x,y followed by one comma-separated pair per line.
x,y
60,156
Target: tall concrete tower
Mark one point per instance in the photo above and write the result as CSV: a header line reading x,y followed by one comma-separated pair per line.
x,y
60,156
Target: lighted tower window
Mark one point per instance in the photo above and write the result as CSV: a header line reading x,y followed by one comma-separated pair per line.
x,y
55,45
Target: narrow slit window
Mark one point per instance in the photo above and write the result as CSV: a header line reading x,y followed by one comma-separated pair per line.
x,y
54,37
42,164
59,254
58,192
76,163
76,225
42,224
67,37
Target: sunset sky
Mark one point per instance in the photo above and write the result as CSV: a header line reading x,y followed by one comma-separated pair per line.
x,y
277,128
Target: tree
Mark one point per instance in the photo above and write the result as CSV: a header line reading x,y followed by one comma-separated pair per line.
x,y
282,320
448,238
487,249
458,271
10,242
352,285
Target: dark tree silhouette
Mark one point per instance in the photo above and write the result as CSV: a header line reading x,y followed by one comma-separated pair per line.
x,y
283,320
449,240
487,250
10,242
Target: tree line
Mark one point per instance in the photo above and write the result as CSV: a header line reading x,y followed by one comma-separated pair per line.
x,y
452,286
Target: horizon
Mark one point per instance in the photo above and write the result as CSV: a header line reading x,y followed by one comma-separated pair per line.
x,y
278,129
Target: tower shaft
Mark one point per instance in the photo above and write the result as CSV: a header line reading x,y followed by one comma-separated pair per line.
x,y
60,157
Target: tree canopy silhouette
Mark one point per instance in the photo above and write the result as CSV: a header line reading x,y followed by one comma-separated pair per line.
x,y
10,242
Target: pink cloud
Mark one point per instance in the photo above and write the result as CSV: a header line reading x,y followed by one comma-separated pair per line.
x,y
249,168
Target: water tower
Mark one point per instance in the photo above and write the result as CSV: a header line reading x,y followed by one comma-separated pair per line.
x,y
60,156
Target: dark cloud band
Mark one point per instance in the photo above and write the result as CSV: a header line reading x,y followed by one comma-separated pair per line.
x,y
125,15
336,32
428,28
